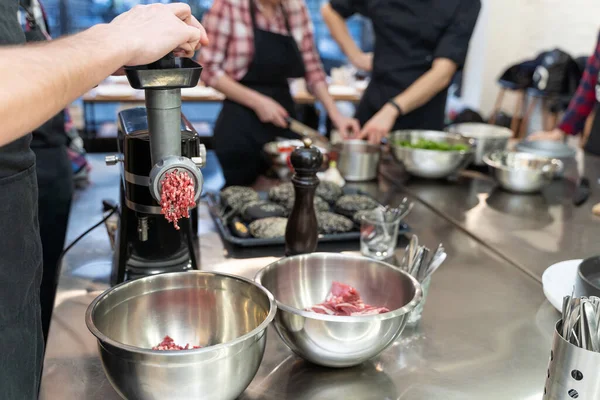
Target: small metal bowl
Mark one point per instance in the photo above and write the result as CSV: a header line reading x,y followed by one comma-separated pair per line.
x,y
522,172
587,282
302,281
487,138
227,314
430,163
279,151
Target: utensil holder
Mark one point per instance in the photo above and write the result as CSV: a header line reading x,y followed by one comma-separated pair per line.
x,y
573,372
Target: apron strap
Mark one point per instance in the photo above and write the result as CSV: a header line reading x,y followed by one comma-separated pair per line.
x,y
285,18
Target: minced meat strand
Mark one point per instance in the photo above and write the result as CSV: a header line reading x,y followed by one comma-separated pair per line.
x,y
177,196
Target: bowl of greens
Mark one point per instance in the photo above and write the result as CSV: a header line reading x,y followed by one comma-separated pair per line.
x,y
431,154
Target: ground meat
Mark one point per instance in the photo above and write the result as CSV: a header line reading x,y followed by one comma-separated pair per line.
x,y
177,196
344,300
169,344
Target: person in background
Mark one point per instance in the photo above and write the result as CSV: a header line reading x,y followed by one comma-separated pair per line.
x,y
54,175
256,47
580,108
419,46
37,81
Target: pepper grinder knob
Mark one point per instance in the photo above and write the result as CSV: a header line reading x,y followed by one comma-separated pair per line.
x,y
302,230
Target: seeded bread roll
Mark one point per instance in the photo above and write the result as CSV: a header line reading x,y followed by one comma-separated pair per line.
x,y
333,223
262,209
359,214
351,203
282,193
236,196
268,228
320,204
329,191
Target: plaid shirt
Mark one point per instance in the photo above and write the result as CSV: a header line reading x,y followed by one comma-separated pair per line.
x,y
583,103
229,27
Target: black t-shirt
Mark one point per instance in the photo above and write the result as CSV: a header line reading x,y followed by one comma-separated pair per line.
x,y
16,156
410,34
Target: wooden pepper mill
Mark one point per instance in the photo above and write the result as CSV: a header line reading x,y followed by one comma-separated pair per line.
x,y
302,230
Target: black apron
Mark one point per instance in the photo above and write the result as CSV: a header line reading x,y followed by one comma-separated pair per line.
x,y
21,343
55,189
239,134
407,34
592,145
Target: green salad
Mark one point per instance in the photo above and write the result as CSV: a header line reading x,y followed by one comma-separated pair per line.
x,y
425,144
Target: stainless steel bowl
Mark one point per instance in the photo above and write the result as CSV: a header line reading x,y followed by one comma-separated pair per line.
x,y
487,138
227,314
430,163
522,172
280,158
302,281
358,160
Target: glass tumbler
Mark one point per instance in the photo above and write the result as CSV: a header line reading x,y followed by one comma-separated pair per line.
x,y
378,236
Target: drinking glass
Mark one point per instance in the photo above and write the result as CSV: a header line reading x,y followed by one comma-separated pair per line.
x,y
378,235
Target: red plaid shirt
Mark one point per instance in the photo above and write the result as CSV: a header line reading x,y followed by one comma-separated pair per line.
x,y
583,103
229,27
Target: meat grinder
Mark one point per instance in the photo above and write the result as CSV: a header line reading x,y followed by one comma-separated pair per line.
x,y
153,141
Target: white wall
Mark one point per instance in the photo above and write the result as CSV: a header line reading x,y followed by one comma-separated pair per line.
x,y
512,30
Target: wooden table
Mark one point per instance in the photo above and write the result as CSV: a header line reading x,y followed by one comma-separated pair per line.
x,y
90,99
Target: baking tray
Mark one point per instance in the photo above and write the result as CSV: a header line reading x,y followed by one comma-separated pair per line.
x,y
214,204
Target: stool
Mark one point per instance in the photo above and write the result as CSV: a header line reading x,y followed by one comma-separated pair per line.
x,y
504,87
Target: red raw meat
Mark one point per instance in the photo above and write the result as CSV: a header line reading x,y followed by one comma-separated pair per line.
x,y
169,344
344,300
177,196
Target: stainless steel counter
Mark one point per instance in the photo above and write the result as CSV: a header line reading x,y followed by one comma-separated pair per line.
x,y
532,231
485,334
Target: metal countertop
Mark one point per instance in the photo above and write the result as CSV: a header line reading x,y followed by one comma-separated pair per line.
x,y
532,231
485,334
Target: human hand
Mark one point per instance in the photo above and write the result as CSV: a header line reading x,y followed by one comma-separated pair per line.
x,y
363,61
379,125
347,127
270,111
149,32
554,135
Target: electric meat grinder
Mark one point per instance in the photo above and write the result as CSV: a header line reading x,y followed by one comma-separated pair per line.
x,y
154,141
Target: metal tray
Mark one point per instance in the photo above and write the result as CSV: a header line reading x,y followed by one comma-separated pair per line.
x,y
214,204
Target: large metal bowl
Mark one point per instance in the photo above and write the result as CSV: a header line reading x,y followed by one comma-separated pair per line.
x,y
487,138
522,172
228,315
430,163
302,281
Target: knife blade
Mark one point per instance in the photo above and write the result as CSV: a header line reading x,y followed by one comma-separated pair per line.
x,y
305,131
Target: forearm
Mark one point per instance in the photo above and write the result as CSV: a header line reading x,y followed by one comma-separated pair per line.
x,y
339,31
321,92
39,80
235,91
427,86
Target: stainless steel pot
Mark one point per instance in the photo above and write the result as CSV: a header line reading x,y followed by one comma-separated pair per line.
x,y
227,314
522,172
358,160
487,138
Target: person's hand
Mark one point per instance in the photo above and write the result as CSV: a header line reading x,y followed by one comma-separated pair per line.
x,y
149,32
270,111
363,61
347,127
554,135
379,125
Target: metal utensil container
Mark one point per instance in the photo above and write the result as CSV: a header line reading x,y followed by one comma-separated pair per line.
x,y
487,138
357,160
573,372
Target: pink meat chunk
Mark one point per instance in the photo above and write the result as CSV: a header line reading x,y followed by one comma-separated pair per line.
x,y
169,344
344,300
